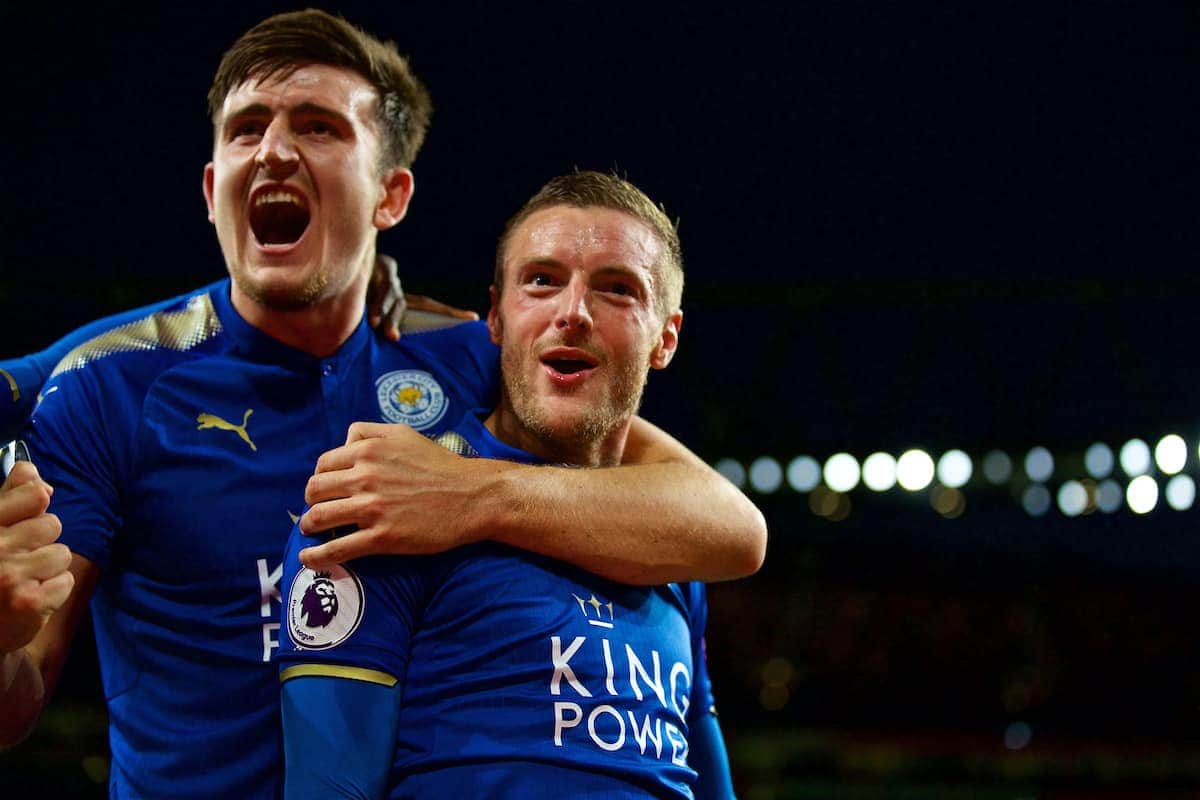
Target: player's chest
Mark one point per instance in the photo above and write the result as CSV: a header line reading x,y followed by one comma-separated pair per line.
x,y
584,635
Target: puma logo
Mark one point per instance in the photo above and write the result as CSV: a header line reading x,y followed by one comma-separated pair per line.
x,y
213,421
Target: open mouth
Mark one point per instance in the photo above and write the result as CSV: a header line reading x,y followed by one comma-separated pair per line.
x,y
569,361
278,216
567,366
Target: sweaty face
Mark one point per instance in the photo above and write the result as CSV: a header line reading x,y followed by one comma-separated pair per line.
x,y
295,185
578,326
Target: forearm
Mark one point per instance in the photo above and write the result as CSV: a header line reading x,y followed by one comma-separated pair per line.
x,y
22,695
663,515
640,524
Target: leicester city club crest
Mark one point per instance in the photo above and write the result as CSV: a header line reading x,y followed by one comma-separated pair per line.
x,y
412,397
324,607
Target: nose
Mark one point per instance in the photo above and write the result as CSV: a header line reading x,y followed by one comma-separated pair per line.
x,y
573,312
277,155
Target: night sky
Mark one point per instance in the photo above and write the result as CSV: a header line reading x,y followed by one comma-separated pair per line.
x,y
954,225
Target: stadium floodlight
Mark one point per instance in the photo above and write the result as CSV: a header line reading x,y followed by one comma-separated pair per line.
x,y
1142,494
997,467
766,475
1072,498
914,470
954,468
1181,492
733,471
1135,458
1109,496
1039,464
841,472
804,473
1099,461
879,471
1170,454
1036,500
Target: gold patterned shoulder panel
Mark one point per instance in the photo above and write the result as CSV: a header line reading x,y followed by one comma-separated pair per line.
x,y
172,330
455,443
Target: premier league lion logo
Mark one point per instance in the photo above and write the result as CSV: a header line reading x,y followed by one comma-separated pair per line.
x,y
324,608
320,602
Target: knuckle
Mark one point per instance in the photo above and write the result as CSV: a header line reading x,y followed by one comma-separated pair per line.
x,y
371,510
315,517
60,556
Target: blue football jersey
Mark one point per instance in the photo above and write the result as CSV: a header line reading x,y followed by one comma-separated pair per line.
x,y
179,445
521,676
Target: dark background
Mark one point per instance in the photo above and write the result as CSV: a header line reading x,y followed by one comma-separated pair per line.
x,y
967,225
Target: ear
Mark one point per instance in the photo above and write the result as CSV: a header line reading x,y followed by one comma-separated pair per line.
x,y
398,189
664,350
494,323
208,189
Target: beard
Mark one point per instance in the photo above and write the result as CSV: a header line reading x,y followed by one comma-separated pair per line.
x,y
281,296
616,405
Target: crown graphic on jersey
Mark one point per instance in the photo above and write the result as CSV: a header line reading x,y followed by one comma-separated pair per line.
x,y
594,610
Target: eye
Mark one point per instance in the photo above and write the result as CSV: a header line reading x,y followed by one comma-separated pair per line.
x,y
246,128
319,128
541,279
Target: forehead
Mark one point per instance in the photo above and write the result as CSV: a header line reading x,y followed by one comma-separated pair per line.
x,y
585,237
335,88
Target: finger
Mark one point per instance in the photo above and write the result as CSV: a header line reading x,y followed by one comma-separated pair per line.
x,y
422,303
350,513
29,536
395,318
24,502
23,472
331,485
340,550
56,590
44,563
373,430
338,458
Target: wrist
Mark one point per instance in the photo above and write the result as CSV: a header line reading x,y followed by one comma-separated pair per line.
x,y
494,508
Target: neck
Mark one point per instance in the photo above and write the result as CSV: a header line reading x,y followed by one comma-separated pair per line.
x,y
318,329
605,451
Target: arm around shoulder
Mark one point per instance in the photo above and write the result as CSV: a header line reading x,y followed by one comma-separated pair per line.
x,y
662,516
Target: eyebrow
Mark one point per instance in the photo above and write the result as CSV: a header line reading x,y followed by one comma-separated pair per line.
x,y
263,110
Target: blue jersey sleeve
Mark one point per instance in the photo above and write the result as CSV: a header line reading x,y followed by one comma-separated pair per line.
x,y
706,754
22,378
355,620
343,654
78,437
338,737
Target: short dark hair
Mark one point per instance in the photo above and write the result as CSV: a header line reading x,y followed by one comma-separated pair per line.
x,y
587,189
282,44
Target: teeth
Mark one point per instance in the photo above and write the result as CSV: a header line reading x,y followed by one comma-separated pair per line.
x,y
278,197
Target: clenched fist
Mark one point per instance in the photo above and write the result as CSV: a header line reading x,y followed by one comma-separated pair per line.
x,y
34,576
